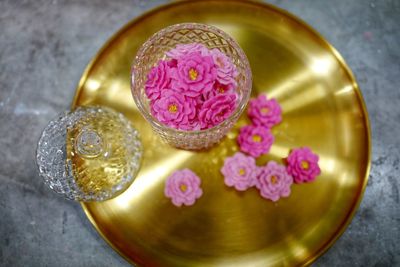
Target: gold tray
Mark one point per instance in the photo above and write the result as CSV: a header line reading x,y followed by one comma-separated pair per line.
x,y
322,108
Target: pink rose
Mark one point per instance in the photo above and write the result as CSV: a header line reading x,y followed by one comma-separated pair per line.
x,y
216,109
226,70
183,49
183,187
175,110
158,79
273,181
220,89
303,165
239,171
194,75
264,112
255,140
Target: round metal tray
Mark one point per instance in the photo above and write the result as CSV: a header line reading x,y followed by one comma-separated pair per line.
x,y
322,109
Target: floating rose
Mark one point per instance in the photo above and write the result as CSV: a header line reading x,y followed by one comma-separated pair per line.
x,y
239,171
216,109
273,181
158,79
175,110
194,75
226,70
183,49
302,164
255,140
183,187
264,112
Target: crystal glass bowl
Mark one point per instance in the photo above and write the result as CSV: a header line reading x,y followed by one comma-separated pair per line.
x,y
90,154
155,48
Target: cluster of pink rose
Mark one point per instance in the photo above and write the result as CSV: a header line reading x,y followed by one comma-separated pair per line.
x,y
183,187
257,139
195,88
272,180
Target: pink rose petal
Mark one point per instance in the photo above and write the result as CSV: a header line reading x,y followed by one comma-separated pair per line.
x,y
182,50
302,164
273,181
216,109
239,171
226,70
194,75
264,112
220,89
255,140
158,79
175,110
183,187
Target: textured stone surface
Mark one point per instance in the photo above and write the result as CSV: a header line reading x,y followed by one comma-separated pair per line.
x,y
41,40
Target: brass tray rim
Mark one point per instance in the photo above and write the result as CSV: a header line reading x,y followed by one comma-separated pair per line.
x,y
342,228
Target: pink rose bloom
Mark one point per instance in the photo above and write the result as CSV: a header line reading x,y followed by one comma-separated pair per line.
x,y
194,75
226,70
157,79
273,181
220,89
216,109
175,110
264,112
239,171
255,140
183,49
183,187
302,164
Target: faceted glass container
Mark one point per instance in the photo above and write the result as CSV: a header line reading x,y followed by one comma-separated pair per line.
x,y
155,48
90,154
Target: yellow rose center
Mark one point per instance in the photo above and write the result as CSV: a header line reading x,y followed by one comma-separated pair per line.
x,y
220,90
183,187
172,108
256,138
193,74
242,172
264,111
274,180
305,165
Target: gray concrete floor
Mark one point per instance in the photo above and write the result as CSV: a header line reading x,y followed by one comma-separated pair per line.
x,y
41,40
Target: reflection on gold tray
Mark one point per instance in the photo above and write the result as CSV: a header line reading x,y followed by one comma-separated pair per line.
x,y
322,108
